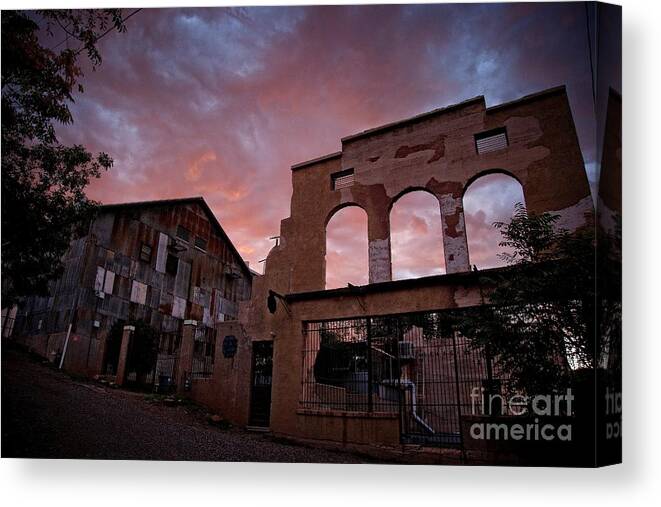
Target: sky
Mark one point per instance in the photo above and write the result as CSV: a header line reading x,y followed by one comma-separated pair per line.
x,y
221,102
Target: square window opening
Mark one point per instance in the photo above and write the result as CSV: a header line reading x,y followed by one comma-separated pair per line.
x,y
342,179
183,233
200,243
491,140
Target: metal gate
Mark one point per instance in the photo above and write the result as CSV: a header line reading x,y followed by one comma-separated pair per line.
x,y
204,351
167,360
415,365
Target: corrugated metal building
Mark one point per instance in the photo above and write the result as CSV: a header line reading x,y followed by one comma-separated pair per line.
x,y
159,261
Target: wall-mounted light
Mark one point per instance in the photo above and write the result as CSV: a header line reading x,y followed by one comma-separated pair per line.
x,y
272,304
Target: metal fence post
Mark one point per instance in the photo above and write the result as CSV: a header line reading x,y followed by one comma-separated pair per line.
x,y
369,365
457,389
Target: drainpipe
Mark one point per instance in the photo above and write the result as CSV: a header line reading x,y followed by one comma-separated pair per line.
x,y
409,384
66,344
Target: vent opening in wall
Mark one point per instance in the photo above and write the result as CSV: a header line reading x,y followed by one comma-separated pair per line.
x,y
342,179
491,140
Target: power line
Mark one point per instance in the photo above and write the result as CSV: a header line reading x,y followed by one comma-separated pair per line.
x,y
587,22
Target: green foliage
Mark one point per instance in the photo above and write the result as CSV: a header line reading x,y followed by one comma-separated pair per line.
x,y
539,322
43,182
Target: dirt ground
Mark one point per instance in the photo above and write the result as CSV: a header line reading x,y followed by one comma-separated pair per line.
x,y
47,414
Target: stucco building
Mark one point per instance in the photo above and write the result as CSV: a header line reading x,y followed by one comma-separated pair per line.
x,y
376,364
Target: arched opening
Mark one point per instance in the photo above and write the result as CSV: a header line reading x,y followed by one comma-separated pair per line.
x,y
346,248
489,198
416,236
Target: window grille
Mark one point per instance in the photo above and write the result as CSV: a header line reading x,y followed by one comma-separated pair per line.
x,y
166,361
204,350
413,366
491,140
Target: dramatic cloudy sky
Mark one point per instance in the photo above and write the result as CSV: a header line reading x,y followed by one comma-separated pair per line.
x,y
221,102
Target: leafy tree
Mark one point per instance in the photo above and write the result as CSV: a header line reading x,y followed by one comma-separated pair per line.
x,y
539,320
43,182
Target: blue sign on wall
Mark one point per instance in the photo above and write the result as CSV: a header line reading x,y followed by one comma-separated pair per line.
x,y
229,346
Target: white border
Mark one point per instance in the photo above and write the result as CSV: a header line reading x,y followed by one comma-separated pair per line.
x,y
637,482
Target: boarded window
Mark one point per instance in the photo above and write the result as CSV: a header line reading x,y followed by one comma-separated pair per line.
x,y
145,252
109,282
342,179
104,281
138,292
98,281
201,243
491,140
183,233
178,307
161,254
182,280
171,265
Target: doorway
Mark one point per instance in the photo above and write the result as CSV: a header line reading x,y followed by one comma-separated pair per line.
x,y
260,390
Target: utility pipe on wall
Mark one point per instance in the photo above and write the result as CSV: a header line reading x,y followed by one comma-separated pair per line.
x,y
66,344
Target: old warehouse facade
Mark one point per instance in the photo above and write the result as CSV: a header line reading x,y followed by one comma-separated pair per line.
x,y
163,262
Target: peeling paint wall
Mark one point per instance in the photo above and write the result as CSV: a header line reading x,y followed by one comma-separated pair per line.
x,y
379,260
455,245
435,152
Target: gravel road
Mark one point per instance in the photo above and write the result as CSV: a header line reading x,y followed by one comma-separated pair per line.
x,y
47,414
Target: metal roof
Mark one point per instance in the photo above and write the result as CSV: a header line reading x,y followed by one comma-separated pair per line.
x,y
179,202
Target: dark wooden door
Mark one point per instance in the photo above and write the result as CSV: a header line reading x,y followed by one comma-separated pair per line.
x,y
260,393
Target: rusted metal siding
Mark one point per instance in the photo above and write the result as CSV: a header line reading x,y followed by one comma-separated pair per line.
x,y
105,279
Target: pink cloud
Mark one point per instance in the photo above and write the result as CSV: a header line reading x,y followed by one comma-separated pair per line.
x,y
221,102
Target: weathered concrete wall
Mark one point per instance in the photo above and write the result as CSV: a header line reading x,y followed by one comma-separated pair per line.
x,y
227,392
285,328
435,152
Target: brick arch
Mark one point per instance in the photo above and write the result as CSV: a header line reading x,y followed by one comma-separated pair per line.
x,y
486,172
430,238
334,210
363,241
488,237
410,190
